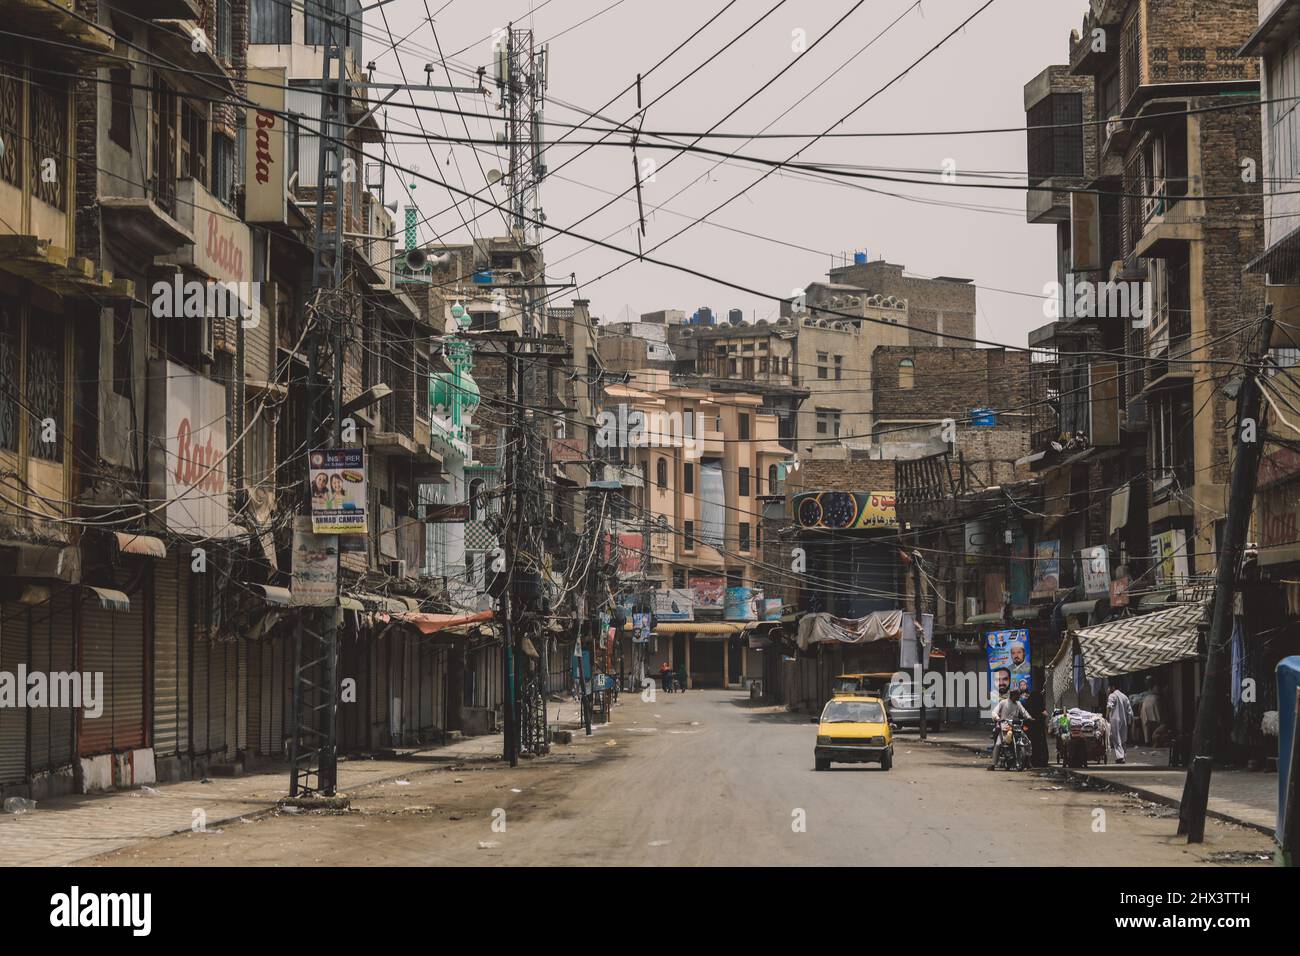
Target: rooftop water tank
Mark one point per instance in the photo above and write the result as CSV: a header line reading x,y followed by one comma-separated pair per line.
x,y
859,258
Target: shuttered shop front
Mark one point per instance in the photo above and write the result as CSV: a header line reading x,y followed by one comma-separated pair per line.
x,y
171,656
50,727
113,644
13,721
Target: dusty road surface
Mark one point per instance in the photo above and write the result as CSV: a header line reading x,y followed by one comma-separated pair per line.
x,y
706,778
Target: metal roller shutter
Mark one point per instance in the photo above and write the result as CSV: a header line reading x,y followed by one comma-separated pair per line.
x,y
168,634
379,692
38,660
13,721
63,657
256,697
266,674
282,694
128,675
427,659
199,695
217,681
237,698
95,735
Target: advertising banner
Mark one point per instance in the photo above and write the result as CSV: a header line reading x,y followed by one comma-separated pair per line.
x,y
1095,563
710,591
315,566
338,490
1169,558
1047,568
675,604
187,462
772,607
1008,656
743,604
267,173
846,509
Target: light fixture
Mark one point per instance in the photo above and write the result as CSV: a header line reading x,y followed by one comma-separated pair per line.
x,y
367,398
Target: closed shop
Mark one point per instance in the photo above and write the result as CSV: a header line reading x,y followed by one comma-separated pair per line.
x,y
380,653
113,644
199,653
268,677
51,651
13,722
171,656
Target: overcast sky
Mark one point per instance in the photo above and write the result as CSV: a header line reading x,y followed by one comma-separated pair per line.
x,y
974,81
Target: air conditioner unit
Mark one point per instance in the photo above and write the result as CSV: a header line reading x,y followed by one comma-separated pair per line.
x,y
972,607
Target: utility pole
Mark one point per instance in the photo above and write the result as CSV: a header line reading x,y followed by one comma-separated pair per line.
x,y
919,628
313,744
1249,443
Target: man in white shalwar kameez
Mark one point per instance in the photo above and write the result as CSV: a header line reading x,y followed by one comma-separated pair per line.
x,y
1119,714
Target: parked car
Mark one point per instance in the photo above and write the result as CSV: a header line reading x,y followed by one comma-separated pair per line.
x,y
853,730
904,703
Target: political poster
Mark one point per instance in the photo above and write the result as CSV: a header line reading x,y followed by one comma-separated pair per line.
x,y
1008,657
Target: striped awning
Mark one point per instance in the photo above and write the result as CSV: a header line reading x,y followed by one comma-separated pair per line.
x,y
129,542
1142,642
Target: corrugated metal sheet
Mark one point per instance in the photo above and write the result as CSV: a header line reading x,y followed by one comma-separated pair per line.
x,y
281,702
128,675
379,668
199,695
38,660
217,697
169,633
13,722
95,735
63,657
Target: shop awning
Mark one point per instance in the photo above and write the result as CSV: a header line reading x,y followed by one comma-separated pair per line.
x,y
699,627
880,625
128,542
111,600
350,603
273,595
994,618
1140,643
1157,600
379,602
433,623
1028,613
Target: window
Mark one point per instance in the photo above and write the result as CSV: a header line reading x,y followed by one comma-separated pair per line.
x,y
1283,91
743,482
822,359
661,473
828,422
744,536
688,423
679,578
758,536
224,29
44,388
120,93
270,22
223,169
839,367
906,371
11,336
688,479
688,536
259,463
194,141
1056,137
771,480
744,426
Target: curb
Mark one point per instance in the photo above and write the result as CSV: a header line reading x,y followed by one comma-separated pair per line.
x,y
1149,795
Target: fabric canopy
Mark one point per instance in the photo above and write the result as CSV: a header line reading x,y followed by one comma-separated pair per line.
x,y
880,625
433,623
699,627
1142,642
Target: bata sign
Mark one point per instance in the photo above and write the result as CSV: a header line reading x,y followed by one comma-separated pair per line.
x,y
187,458
266,186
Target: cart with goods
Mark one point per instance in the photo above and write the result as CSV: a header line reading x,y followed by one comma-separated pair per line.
x,y
1080,737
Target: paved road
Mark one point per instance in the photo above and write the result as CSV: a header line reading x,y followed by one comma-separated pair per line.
x,y
705,778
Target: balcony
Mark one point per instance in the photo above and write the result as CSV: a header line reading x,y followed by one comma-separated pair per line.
x,y
89,44
1061,146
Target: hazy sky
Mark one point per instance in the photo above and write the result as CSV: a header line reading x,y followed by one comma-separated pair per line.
x,y
974,81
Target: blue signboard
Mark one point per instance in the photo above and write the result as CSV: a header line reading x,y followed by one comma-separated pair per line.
x,y
983,417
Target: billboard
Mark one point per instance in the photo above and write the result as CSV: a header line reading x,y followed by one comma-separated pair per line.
x,y
710,591
675,604
187,461
315,566
846,509
1047,569
744,604
337,478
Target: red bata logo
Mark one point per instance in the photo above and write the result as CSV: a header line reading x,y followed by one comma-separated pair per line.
x,y
265,123
198,466
221,248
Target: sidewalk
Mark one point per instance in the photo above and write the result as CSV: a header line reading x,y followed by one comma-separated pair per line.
x,y
67,829
1238,796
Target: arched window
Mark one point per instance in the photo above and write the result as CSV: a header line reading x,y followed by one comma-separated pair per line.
x,y
771,480
906,368
661,473
477,508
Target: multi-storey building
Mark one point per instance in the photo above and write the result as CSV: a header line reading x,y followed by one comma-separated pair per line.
x,y
1141,154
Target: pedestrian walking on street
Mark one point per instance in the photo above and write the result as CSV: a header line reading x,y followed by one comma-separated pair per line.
x,y
681,676
666,677
1149,712
1119,714
1037,708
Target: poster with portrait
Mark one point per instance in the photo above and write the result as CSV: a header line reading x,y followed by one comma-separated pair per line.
x,y
1008,657
337,478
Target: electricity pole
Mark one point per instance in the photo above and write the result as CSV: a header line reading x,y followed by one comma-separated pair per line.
x,y
1249,443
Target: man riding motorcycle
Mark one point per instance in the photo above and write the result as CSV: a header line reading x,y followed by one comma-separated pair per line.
x,y
1010,709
